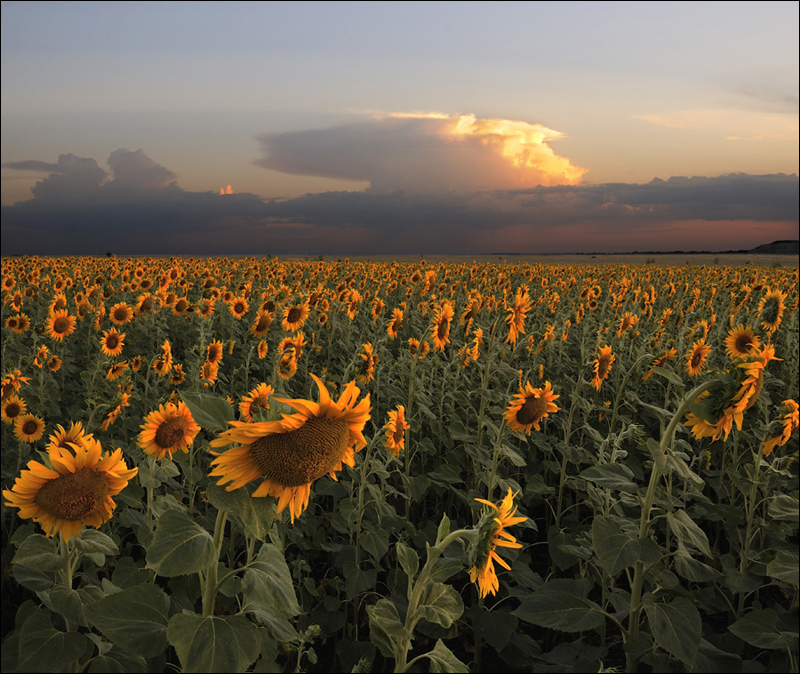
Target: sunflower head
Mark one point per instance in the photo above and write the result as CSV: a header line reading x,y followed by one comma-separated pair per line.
x,y
76,489
529,407
168,429
291,453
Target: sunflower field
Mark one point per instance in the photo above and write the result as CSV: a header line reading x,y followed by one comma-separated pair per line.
x,y
230,465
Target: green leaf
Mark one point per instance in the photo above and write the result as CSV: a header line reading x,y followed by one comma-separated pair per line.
x,y
180,546
497,627
443,660
65,601
611,476
210,412
267,584
119,661
615,549
669,375
784,507
376,543
256,514
441,604
562,604
687,531
659,457
693,569
214,644
760,628
386,629
44,649
134,619
675,626
445,567
408,558
785,567
443,530
39,552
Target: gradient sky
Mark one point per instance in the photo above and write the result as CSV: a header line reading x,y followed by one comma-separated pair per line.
x,y
408,127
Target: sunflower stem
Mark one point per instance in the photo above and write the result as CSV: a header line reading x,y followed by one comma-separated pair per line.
x,y
67,573
210,584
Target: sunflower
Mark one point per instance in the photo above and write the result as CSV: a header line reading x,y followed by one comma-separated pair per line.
x,y
790,423
19,323
527,409
395,324
76,491
60,324
28,428
208,373
770,310
163,364
112,342
291,453
740,342
696,358
493,534
121,313
370,361
294,317
11,384
64,439
516,315
214,353
396,430
168,429
116,370
53,364
441,326
602,366
256,400
238,307
178,376
263,347
261,324
287,364
13,408
659,361
627,322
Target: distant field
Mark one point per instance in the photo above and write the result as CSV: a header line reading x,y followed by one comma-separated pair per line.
x,y
667,259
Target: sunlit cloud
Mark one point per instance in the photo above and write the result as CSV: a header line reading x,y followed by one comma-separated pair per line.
x,y
225,190
425,152
731,124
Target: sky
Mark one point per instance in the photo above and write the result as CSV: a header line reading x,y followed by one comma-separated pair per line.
x,y
161,128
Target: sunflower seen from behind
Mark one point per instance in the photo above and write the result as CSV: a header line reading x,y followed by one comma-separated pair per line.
x,y
290,454
74,491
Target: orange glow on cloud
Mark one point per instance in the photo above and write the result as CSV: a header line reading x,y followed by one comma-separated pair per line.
x,y
226,190
523,146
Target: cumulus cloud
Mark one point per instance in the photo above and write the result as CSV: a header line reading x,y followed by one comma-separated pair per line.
x,y
425,153
138,208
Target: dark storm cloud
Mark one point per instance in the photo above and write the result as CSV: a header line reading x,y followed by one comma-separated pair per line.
x,y
138,208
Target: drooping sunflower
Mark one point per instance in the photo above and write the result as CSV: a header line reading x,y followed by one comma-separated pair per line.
x,y
627,322
53,364
790,423
116,370
257,399
168,429
290,454
121,313
516,315
396,430
741,342
367,370
602,366
492,528
529,407
60,324
770,310
13,408
112,342
163,364
696,358
76,490
395,324
295,316
261,323
263,347
28,428
441,326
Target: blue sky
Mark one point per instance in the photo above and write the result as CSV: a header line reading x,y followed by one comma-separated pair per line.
x,y
283,101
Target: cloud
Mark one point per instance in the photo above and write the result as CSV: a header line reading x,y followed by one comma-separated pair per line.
x,y
731,124
138,208
425,153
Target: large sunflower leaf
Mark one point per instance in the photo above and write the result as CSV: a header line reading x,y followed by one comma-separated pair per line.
x,y
180,546
762,628
386,629
441,604
134,619
268,583
562,604
210,412
44,649
675,626
214,644
443,660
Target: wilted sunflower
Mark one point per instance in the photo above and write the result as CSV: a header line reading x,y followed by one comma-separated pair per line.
x,y
602,366
13,408
741,342
168,429
291,453
770,310
256,400
527,409
74,492
112,342
493,534
396,430
60,324
28,428
696,358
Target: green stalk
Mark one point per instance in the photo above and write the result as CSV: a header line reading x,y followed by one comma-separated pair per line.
x,y
209,583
